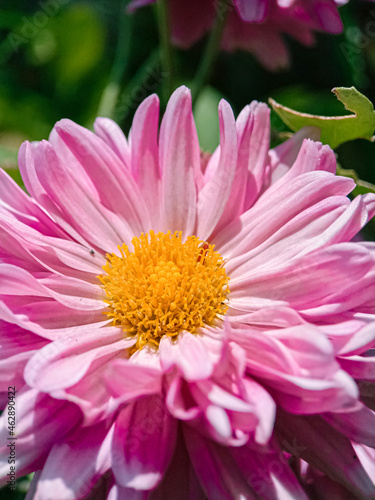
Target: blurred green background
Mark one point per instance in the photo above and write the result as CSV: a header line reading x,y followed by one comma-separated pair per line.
x,y
58,56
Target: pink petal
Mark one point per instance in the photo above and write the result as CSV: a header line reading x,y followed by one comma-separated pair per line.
x,y
143,444
359,367
218,396
35,411
16,281
89,450
64,362
239,472
312,156
179,401
299,363
179,481
367,458
369,200
80,208
73,287
30,172
283,156
17,346
254,11
328,16
214,195
299,284
270,475
180,164
48,318
76,294
147,357
145,153
220,478
218,423
253,131
299,194
118,191
30,495
16,201
127,381
187,28
358,425
275,317
314,227
111,133
188,353
253,146
359,342
119,493
36,252
266,44
73,368
313,440
12,251
264,408
330,221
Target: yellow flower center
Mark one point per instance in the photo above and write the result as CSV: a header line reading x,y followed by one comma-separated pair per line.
x,y
164,286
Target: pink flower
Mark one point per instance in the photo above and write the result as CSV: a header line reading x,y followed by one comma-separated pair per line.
x,y
256,26
180,332
323,487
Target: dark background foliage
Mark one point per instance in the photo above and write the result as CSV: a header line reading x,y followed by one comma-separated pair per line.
x,y
58,56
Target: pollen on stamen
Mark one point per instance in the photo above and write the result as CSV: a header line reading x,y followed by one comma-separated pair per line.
x,y
165,286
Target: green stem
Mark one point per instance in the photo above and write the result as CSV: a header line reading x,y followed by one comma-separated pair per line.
x,y
120,66
166,48
212,48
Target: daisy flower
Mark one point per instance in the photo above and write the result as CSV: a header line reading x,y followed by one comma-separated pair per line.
x,y
257,26
184,327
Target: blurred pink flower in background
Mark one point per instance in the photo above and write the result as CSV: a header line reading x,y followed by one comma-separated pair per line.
x,y
256,26
138,373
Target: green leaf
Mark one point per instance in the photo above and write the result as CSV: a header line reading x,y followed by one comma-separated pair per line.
x,y
362,187
335,129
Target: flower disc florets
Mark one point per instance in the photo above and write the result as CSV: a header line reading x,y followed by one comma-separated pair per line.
x,y
164,286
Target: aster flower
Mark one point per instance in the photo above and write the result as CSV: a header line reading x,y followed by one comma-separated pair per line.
x,y
184,329
323,487
256,26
